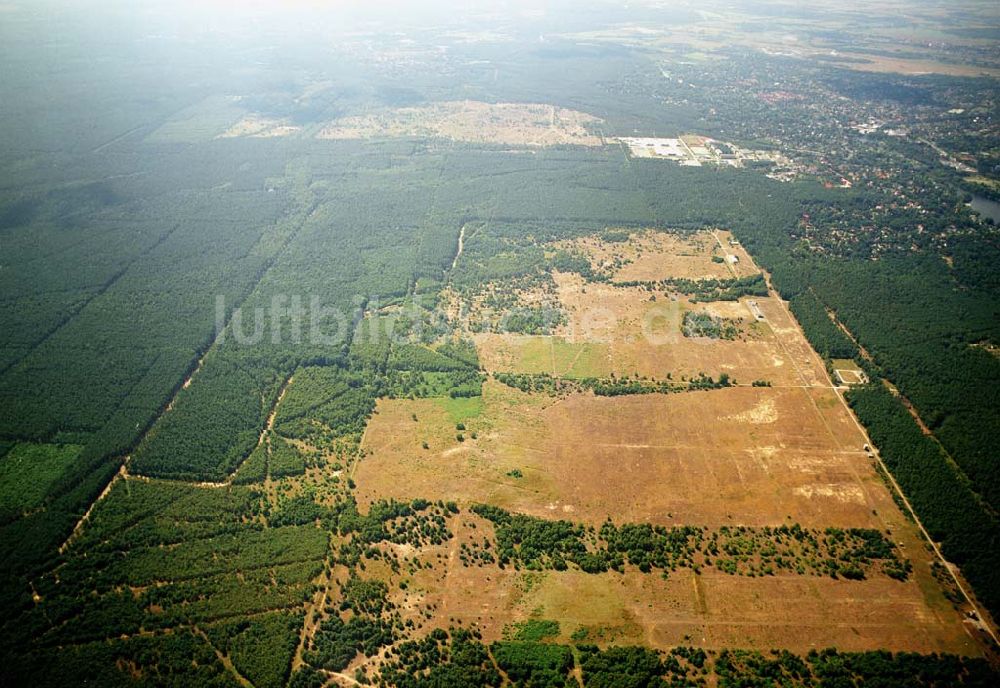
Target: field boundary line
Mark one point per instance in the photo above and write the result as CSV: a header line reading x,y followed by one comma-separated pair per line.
x,y
915,414
985,622
221,333
101,290
120,474
268,425
224,659
186,382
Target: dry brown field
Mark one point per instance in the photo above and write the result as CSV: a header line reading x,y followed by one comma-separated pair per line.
x,y
738,456
756,456
710,609
904,65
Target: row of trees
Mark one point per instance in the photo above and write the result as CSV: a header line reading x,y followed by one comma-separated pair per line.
x,y
945,503
533,543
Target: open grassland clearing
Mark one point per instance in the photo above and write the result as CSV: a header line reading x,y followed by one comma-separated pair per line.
x,y
652,255
899,64
736,456
762,457
443,585
200,122
622,331
706,610
272,526
716,33
539,354
751,456
669,306
516,124
742,516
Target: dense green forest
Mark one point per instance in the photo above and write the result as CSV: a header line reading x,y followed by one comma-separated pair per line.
x,y
947,505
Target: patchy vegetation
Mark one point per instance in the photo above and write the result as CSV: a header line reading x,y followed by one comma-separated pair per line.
x,y
532,543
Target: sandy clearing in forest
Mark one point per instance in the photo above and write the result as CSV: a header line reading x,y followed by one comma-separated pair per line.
x,y
756,456
527,124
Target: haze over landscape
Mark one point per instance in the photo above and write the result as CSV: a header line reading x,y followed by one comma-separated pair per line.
x,y
536,344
